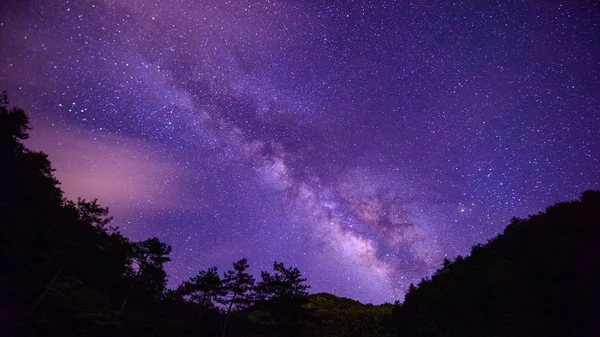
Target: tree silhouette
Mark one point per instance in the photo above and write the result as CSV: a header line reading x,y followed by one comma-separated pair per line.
x,y
282,295
284,283
51,244
148,261
205,288
14,127
537,278
239,288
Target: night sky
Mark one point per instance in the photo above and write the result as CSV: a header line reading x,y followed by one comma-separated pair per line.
x,y
361,142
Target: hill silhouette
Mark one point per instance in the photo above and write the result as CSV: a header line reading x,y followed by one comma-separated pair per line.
x,y
67,272
539,277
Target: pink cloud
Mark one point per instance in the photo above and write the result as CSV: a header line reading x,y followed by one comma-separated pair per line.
x,y
119,171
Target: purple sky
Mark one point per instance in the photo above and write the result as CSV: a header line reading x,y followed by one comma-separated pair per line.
x,y
361,142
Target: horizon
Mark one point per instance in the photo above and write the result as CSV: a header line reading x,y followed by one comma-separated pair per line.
x,y
361,143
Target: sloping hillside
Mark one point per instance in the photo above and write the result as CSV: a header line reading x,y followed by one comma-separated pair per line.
x,y
339,316
538,278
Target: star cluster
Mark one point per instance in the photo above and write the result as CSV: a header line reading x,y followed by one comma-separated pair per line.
x,y
362,142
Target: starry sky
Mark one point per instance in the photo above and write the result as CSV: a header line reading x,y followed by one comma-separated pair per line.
x,y
360,141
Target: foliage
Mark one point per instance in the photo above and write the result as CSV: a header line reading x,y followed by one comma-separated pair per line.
x,y
284,283
239,286
204,289
538,278
338,316
66,271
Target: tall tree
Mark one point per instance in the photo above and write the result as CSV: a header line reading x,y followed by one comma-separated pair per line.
x,y
148,259
282,296
14,127
239,287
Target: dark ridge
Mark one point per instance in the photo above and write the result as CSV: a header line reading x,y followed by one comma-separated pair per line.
x,y
539,277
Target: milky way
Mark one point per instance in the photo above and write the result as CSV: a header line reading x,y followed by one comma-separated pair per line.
x,y
361,142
